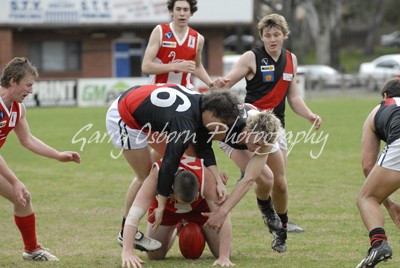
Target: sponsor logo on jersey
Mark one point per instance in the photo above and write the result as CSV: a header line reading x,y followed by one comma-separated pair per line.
x,y
1,115
191,41
13,119
169,44
3,123
267,68
287,77
169,35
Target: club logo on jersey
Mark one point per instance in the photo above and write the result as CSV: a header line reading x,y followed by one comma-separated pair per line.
x,y
3,123
191,41
268,76
169,44
169,35
13,119
1,115
264,61
287,77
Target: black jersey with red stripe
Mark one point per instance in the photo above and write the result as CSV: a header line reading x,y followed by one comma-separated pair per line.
x,y
387,120
268,88
174,110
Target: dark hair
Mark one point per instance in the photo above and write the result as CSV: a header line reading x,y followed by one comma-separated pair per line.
x,y
17,69
223,104
186,186
192,3
391,88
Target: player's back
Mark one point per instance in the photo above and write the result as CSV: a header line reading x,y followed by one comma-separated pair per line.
x,y
154,106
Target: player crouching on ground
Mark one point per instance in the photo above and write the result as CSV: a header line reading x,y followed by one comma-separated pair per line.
x,y
194,192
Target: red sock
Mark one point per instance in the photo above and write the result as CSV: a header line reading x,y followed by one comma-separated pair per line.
x,y
27,227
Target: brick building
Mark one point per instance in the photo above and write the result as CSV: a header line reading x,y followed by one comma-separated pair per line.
x,y
104,38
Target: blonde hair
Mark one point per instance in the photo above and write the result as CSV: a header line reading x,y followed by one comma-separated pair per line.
x,y
265,124
273,21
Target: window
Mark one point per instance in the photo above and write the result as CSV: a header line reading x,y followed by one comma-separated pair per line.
x,y
56,56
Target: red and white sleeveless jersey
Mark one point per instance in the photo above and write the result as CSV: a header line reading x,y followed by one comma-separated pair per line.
x,y
8,119
173,49
194,165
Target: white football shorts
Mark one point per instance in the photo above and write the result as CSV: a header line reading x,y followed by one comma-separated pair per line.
x,y
121,135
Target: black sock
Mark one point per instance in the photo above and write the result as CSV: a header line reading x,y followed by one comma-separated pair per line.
x,y
264,203
376,237
284,219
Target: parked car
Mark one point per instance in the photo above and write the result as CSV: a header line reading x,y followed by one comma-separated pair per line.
x,y
390,40
375,73
319,76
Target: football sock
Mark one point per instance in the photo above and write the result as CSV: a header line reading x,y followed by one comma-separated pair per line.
x,y
284,219
27,227
122,226
264,203
376,236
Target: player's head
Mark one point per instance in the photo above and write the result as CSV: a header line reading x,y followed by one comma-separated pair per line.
x,y
262,128
186,186
273,21
192,4
17,69
391,88
222,104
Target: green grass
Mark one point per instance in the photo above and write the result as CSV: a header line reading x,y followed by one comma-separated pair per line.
x,y
79,207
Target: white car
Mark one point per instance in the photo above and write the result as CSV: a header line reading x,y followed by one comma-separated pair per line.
x,y
319,76
392,39
375,73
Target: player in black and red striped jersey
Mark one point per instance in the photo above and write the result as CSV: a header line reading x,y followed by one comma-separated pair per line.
x,y
270,73
181,115
17,80
382,175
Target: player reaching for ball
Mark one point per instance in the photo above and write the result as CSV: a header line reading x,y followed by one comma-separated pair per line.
x,y
194,192
17,80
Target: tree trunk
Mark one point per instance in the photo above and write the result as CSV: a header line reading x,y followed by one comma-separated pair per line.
x,y
377,13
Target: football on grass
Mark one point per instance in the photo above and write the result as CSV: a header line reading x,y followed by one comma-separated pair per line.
x,y
191,241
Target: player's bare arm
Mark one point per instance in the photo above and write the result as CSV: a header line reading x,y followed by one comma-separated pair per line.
x,y
200,72
35,145
245,67
370,143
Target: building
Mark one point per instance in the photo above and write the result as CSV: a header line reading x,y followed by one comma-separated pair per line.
x,y
72,39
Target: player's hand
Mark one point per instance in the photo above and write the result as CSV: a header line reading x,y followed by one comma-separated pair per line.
x,y
220,82
21,193
222,193
215,219
69,156
394,212
129,259
316,120
185,66
224,262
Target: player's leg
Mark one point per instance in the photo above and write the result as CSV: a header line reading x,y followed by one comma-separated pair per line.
x,y
24,218
380,183
166,234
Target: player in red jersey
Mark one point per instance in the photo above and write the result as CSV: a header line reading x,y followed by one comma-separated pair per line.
x,y
17,80
270,73
194,192
182,116
174,50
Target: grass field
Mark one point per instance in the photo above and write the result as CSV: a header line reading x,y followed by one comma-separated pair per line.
x,y
79,207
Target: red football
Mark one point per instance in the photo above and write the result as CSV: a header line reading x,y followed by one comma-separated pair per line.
x,y
191,241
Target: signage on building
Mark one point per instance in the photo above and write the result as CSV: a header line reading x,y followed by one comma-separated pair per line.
x,y
103,91
72,12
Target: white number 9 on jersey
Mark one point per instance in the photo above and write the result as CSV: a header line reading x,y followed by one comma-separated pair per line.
x,y
172,95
